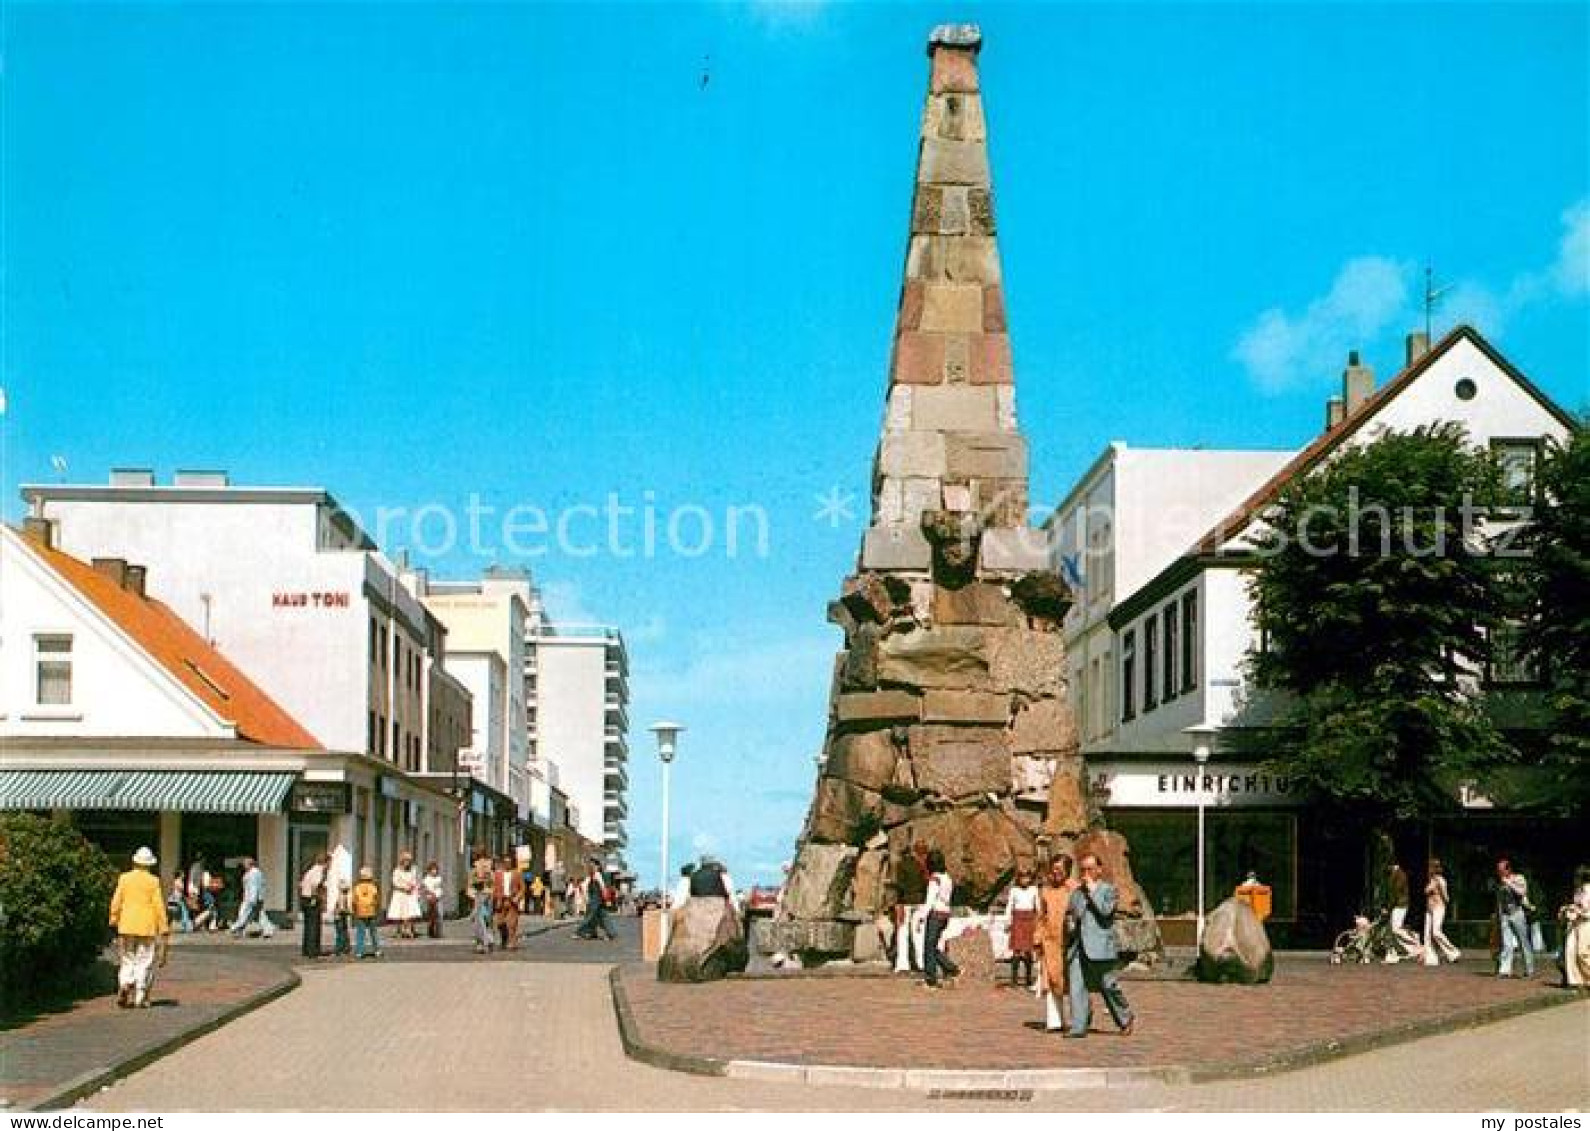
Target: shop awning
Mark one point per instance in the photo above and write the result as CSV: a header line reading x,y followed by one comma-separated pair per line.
x,y
183,791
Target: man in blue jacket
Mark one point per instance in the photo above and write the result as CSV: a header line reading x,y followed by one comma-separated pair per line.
x,y
1090,929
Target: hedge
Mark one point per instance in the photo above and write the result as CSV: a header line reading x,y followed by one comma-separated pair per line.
x,y
55,890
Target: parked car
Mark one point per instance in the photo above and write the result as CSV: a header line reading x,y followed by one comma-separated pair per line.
x,y
761,902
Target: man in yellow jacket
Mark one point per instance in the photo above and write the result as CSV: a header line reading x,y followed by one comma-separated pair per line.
x,y
138,912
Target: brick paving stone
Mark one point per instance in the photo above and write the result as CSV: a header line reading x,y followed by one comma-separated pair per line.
x,y
841,1021
40,1056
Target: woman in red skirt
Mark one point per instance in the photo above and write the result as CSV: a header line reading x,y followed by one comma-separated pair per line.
x,y
1021,920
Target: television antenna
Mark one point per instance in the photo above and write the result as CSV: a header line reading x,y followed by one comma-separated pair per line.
x,y
1432,295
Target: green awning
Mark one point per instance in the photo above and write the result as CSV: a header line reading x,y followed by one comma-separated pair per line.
x,y
183,791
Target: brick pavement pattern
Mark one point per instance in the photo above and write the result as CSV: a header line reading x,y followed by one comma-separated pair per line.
x,y
842,1021
39,1058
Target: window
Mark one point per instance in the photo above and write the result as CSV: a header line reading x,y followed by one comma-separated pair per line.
x,y
374,736
1128,675
1516,460
53,665
397,740
1168,617
375,641
1150,676
1189,641
1510,664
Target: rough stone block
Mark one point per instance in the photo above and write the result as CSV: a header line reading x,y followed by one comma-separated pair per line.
x,y
919,496
980,203
1030,777
888,502
934,657
895,548
918,358
954,408
867,759
956,218
957,360
897,408
994,310
958,497
990,356
1047,725
954,70
911,305
1070,813
819,881
952,307
878,707
1014,551
985,455
844,812
1002,502
915,454
977,603
946,162
1031,664
1005,411
958,259
869,943
867,598
974,708
960,762
867,888
957,117
927,209
859,671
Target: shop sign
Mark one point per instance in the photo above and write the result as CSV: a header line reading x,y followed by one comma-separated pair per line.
x,y
1167,785
311,600
321,797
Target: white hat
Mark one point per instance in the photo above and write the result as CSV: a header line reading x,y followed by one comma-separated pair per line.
x,y
144,858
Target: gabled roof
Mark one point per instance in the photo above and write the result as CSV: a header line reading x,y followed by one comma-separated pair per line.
x,y
1327,442
169,641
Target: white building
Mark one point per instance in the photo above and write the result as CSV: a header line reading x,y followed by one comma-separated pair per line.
x,y
1158,545
577,695
118,716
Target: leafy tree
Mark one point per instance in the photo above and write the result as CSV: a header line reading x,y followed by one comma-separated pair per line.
x,y
1557,574
1373,600
55,892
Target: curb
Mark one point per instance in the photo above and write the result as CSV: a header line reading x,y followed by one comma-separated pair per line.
x,y
96,1078
1045,1079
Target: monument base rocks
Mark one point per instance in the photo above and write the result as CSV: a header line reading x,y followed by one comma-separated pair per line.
x,y
705,943
1235,947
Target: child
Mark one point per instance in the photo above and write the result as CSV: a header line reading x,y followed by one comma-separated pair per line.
x,y
177,904
366,913
341,911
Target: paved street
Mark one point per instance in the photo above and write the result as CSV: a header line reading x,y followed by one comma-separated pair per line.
x,y
383,1036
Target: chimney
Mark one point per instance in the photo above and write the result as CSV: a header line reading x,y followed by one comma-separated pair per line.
x,y
1335,411
137,576
132,477
113,568
1418,346
201,479
1358,383
40,529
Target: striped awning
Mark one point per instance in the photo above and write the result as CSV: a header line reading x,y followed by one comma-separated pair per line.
x,y
183,791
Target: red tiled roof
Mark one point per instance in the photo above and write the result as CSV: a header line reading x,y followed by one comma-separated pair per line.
x,y
173,644
1327,442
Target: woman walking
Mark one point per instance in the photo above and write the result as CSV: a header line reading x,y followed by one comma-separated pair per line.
x,y
1576,933
480,876
1051,940
1437,897
404,908
138,916
940,895
1021,921
431,898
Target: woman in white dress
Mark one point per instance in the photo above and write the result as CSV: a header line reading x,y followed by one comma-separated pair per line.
x,y
404,907
1576,933
1437,896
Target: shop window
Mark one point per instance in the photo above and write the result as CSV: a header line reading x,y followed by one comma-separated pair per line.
x,y
1128,675
119,833
1168,618
1516,461
1165,856
1150,637
53,668
1189,641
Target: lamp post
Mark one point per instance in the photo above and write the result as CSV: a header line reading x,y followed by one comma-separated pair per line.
x,y
1201,735
667,738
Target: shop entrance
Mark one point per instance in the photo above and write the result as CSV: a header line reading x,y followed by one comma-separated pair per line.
x,y
308,837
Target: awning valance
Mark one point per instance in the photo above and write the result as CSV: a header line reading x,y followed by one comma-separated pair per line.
x,y
183,791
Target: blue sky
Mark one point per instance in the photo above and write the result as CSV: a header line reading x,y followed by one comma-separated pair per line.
x,y
415,252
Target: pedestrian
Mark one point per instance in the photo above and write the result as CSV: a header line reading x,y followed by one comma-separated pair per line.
x,y
201,895
253,901
1049,937
596,898
1536,902
311,903
1021,920
1090,925
404,907
1404,942
480,903
936,906
431,889
366,914
1512,907
177,903
536,896
910,892
1575,916
1437,898
507,894
143,932
341,916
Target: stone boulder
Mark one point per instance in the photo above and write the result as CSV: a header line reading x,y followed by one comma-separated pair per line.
x,y
705,943
819,881
1235,947
866,759
973,952
843,813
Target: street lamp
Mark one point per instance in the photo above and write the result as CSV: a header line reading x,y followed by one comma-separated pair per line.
x,y
1201,735
667,737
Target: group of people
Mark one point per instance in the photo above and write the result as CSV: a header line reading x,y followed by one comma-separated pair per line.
x,y
1062,933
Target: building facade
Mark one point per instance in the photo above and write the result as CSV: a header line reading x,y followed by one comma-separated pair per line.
x,y
1160,639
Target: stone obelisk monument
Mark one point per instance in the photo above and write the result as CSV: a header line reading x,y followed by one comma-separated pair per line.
x,y
949,721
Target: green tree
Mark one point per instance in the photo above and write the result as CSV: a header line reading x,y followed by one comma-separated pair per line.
x,y
1557,575
55,892
1373,600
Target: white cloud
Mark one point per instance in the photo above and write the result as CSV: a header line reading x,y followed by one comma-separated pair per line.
x,y
758,673
1572,269
1282,350
787,13
565,603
